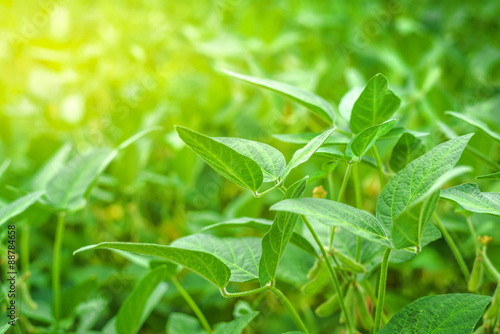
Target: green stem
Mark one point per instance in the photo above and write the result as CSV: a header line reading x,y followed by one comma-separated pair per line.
x,y
291,310
381,290
257,194
335,280
453,247
381,176
357,192
56,269
489,266
25,252
339,198
244,293
344,182
192,305
473,233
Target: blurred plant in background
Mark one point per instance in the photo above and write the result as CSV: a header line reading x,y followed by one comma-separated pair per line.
x,y
82,74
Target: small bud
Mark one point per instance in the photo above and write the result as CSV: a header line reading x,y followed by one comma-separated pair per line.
x,y
319,192
484,240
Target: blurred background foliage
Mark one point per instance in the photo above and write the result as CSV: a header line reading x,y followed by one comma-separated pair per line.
x,y
91,73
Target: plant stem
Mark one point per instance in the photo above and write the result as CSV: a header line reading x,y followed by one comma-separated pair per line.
x,y
291,310
357,192
344,182
335,280
489,266
25,252
473,233
244,293
381,290
56,269
381,176
257,194
453,247
192,305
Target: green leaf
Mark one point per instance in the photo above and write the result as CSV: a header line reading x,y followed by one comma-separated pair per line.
x,y
415,181
443,314
134,310
311,101
407,149
276,239
476,123
180,323
333,213
335,138
6,327
267,157
241,255
364,140
492,176
205,264
137,136
69,188
397,132
264,225
18,206
302,155
409,225
237,325
51,168
469,197
375,105
76,295
4,166
226,161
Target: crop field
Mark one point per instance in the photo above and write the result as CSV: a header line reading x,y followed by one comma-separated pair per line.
x,y
257,167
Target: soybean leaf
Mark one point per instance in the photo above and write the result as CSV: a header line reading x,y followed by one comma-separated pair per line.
x,y
4,166
135,309
137,136
493,176
396,133
18,206
454,313
237,325
226,161
180,323
302,155
205,264
51,168
411,184
311,101
407,149
476,123
469,197
241,255
267,157
333,153
334,213
76,295
409,225
276,239
335,138
374,105
6,327
69,188
364,140
264,225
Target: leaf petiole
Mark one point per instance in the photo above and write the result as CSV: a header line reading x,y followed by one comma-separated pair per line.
x,y
333,275
192,304
381,290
